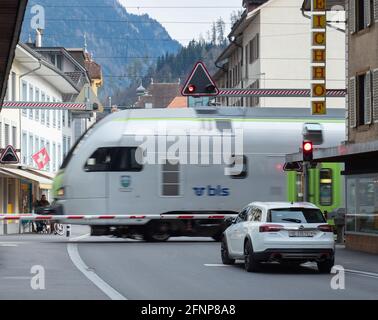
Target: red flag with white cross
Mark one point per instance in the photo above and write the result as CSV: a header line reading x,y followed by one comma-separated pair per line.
x,y
41,158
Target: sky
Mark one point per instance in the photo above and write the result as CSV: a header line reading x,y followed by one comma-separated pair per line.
x,y
184,32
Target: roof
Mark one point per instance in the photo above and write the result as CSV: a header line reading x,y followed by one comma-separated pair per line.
x,y
179,102
11,17
31,58
93,68
281,205
160,95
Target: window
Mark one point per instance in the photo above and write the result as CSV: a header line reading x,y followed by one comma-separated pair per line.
x,y
362,203
53,157
6,135
238,169
30,149
24,148
295,215
326,187
68,143
363,99
254,49
48,152
255,215
36,147
246,61
254,101
31,99
171,179
64,117
59,115
37,98
242,216
69,119
14,136
14,81
64,146
43,112
59,157
48,113
362,15
112,159
24,97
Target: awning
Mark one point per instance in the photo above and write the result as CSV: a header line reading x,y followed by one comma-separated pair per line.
x,y
44,183
43,174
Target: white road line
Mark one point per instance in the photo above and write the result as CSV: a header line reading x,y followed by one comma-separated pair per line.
x,y
73,252
8,245
216,265
17,278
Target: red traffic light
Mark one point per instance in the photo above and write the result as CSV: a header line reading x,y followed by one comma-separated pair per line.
x,y
191,88
307,146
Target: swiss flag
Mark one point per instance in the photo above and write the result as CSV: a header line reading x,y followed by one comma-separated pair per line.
x,y
41,158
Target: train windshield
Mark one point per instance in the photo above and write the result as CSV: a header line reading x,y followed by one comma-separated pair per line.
x,y
295,215
75,147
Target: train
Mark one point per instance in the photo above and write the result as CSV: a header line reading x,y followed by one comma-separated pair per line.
x,y
194,161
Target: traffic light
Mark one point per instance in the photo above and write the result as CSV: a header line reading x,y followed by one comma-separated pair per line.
x,y
199,83
307,149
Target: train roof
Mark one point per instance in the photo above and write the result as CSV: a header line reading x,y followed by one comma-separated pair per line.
x,y
229,112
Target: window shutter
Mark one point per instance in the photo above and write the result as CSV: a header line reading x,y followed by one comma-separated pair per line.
x,y
376,10
375,94
352,16
352,102
367,99
367,13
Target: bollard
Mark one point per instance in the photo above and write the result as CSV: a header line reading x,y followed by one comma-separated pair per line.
x,y
68,230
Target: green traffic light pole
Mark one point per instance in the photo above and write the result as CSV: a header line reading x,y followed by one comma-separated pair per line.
x,y
306,197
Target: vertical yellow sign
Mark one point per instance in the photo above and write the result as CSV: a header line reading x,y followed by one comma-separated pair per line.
x,y
318,57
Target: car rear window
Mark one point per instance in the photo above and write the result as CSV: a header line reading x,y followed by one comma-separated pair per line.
x,y
295,215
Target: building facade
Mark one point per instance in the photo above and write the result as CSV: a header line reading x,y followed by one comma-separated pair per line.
x,y
270,47
40,75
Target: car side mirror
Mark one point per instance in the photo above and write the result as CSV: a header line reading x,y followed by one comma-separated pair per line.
x,y
230,221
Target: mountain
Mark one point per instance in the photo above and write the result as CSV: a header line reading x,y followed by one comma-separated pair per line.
x,y
126,45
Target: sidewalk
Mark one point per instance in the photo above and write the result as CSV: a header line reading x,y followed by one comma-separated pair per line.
x,y
355,260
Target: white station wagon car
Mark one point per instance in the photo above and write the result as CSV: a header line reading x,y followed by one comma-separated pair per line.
x,y
283,232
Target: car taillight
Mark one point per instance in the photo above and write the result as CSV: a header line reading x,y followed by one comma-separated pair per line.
x,y
270,228
325,228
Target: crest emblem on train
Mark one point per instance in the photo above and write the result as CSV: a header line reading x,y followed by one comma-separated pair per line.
x,y
125,181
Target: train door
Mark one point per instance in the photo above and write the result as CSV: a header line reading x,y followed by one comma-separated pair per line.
x,y
125,184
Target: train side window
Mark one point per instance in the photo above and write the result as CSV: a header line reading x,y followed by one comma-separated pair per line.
x,y
171,179
326,187
113,159
238,169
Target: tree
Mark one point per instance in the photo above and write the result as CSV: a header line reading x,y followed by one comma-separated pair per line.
x,y
235,16
220,27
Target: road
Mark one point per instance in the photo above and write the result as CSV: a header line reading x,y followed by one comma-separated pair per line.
x,y
85,267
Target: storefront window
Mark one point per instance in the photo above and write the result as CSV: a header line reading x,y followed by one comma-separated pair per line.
x,y
325,195
362,203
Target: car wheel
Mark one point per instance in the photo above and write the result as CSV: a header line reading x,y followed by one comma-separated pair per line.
x,y
157,232
224,253
326,265
250,264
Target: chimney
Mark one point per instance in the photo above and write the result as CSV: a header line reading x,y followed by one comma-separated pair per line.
x,y
38,38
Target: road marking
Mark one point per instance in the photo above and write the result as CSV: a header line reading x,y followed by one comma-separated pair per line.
x,y
80,237
16,278
360,273
8,245
73,252
216,265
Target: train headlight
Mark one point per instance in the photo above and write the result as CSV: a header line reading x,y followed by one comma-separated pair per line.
x,y
60,192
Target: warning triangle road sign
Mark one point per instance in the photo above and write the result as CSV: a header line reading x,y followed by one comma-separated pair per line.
x,y
199,83
9,156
